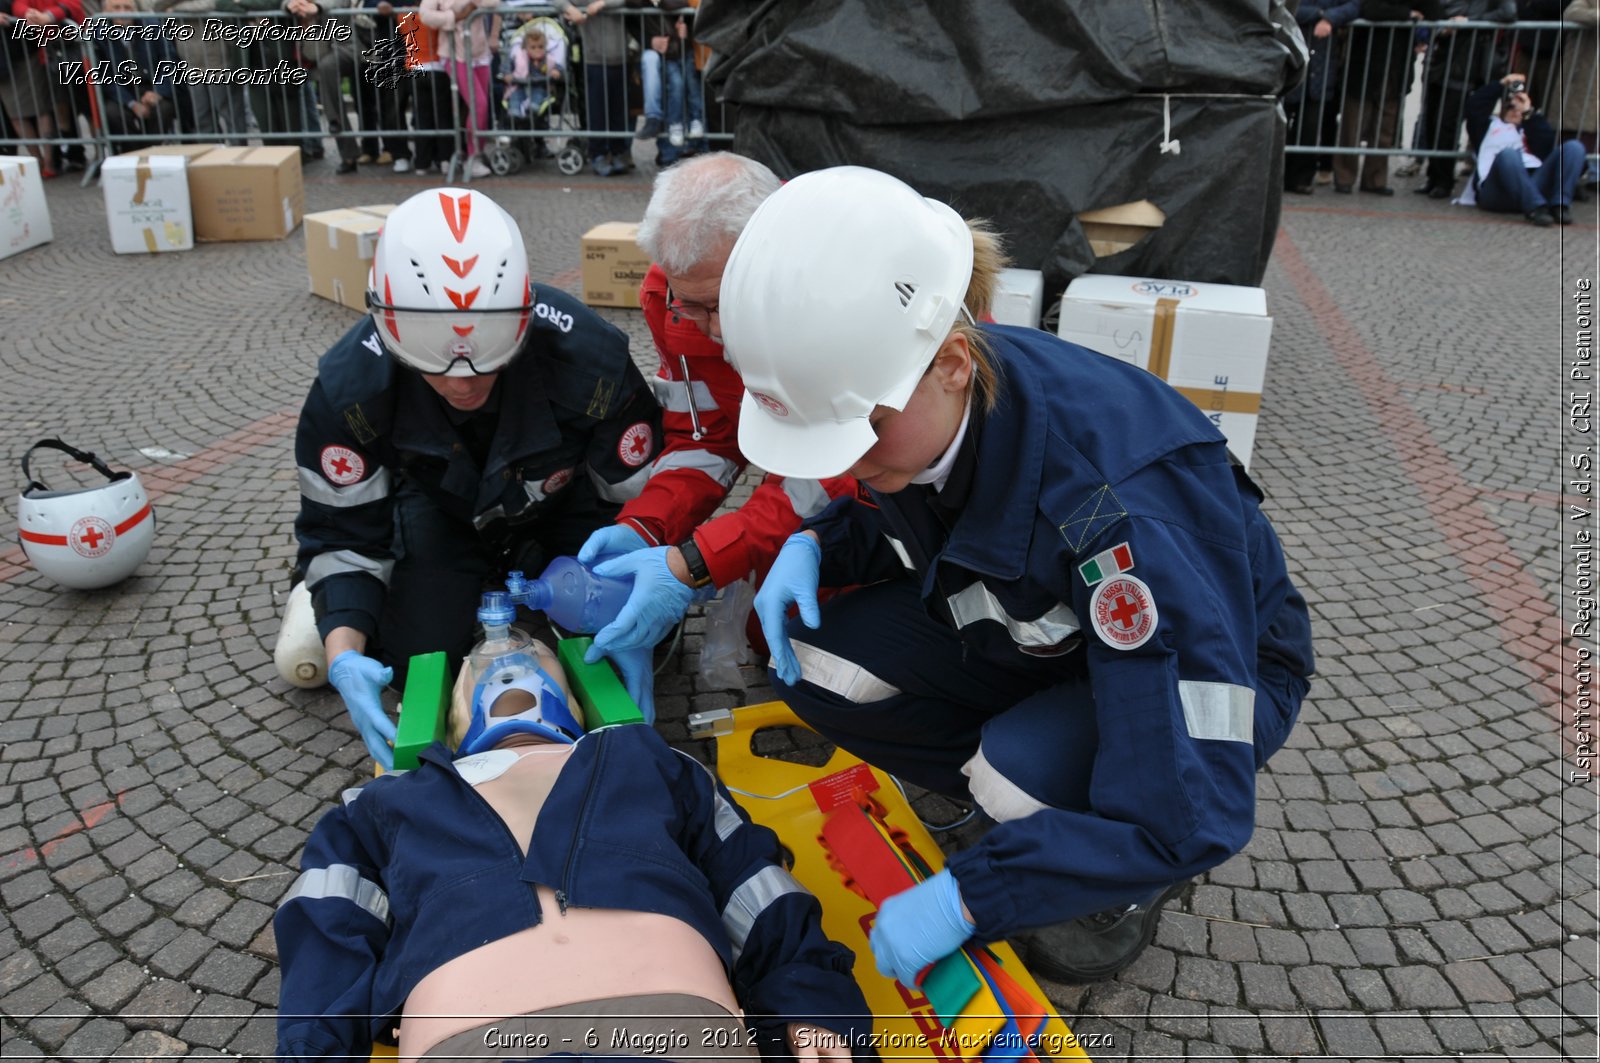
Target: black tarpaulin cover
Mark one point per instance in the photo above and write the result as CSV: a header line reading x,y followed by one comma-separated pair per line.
x,y
1030,112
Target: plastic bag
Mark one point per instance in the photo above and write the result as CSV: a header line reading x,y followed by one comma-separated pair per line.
x,y
726,647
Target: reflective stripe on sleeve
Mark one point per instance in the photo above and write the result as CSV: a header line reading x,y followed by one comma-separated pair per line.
x,y
975,602
754,895
899,549
808,497
316,487
717,468
340,882
839,676
622,490
341,561
1222,712
997,795
673,395
725,819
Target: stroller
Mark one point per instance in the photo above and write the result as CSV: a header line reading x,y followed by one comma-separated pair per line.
x,y
556,114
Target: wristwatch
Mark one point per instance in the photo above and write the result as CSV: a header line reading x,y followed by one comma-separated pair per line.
x,y
695,562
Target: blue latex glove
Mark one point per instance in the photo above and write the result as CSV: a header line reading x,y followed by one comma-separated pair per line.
x,y
657,601
637,668
919,927
613,540
793,578
360,681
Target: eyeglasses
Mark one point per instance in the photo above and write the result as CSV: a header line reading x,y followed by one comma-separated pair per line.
x,y
699,313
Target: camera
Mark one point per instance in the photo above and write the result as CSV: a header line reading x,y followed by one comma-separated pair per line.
x,y
1512,88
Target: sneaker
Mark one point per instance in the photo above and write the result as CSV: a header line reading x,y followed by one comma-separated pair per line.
x,y
1541,217
1563,215
346,166
697,129
1324,177
1095,947
384,158
364,159
601,165
479,168
675,134
402,166
650,130
621,164
422,170
1410,169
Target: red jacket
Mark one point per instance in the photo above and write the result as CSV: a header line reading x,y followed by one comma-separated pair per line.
x,y
692,477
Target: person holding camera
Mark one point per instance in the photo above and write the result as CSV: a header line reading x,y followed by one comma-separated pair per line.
x,y
1520,168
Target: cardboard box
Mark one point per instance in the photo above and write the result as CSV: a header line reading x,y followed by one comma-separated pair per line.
x,y
1210,341
24,215
187,151
339,246
1111,230
1018,298
613,265
246,193
147,203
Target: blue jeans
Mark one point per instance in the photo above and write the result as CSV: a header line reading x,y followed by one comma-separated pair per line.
x,y
682,77
650,82
1513,188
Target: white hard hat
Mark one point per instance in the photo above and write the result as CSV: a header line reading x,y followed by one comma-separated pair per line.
x,y
449,288
88,537
836,297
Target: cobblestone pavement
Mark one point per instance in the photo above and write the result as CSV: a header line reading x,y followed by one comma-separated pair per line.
x,y
1422,878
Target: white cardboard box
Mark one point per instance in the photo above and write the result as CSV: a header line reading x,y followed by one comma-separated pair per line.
x,y
24,215
147,203
1018,298
1210,341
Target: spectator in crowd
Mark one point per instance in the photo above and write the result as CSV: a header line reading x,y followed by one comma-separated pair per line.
x,y
140,100
1577,110
31,91
667,68
1313,115
605,71
465,45
334,60
206,108
1521,169
275,105
1376,68
382,107
1459,61
474,423
673,915
666,538
536,72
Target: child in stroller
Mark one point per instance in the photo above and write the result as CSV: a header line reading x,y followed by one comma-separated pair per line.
x,y
536,98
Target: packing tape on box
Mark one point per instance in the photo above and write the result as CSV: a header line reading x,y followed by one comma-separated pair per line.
x,y
142,172
1208,399
150,241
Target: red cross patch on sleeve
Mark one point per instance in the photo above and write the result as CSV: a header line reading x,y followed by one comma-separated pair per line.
x,y
634,446
1123,613
343,466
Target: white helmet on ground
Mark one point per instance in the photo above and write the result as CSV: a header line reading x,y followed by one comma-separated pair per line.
x,y
449,289
87,537
835,299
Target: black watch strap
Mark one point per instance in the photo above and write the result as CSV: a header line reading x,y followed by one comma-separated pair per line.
x,y
694,560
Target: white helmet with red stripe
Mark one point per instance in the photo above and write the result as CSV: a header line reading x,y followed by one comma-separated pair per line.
x,y
449,289
88,537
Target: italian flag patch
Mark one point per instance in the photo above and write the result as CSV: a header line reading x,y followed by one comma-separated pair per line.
x,y
1107,563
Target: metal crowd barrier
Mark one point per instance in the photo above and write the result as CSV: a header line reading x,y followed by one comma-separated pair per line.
x,y
1356,106
267,76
